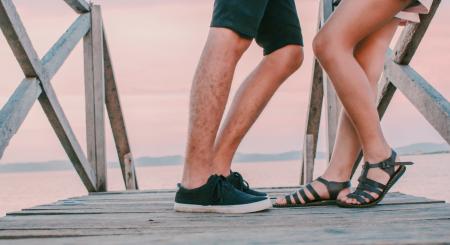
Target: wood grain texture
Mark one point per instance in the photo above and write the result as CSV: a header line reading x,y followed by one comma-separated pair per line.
x,y
19,104
308,156
16,109
32,66
80,6
95,98
428,101
412,36
117,121
315,101
148,217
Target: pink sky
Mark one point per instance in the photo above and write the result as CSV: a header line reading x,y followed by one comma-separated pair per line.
x,y
155,47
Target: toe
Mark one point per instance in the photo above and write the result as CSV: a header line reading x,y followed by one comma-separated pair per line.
x,y
280,201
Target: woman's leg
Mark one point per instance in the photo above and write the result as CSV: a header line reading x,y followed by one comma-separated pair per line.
x,y
370,54
334,46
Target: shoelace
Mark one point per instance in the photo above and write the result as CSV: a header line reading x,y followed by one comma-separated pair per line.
x,y
243,184
220,184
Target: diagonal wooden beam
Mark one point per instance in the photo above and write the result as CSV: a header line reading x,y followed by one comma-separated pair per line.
x,y
16,109
412,36
27,57
80,6
19,104
117,122
428,101
18,39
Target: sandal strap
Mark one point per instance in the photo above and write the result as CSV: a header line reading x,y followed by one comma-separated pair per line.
x,y
334,187
366,195
357,197
304,196
313,192
288,200
387,165
296,198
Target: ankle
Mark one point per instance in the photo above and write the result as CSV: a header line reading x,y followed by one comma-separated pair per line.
x,y
378,155
222,166
336,176
193,182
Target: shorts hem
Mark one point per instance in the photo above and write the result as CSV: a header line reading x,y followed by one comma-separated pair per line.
x,y
246,33
272,48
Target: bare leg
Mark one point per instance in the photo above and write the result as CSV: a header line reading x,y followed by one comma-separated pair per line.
x,y
250,100
334,46
210,91
370,54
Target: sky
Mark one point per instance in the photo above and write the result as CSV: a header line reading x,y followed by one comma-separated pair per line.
x,y
155,46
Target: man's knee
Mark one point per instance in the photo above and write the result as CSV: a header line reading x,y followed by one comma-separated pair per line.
x,y
289,58
229,41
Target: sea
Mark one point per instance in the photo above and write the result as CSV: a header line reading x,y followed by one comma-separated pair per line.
x,y
429,177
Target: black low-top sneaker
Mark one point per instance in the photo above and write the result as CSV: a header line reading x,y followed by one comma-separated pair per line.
x,y
218,196
239,183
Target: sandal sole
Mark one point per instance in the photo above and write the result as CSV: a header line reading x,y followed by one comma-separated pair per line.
x,y
389,185
311,204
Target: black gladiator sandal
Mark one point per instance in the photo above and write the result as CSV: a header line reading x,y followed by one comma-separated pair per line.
x,y
366,186
333,189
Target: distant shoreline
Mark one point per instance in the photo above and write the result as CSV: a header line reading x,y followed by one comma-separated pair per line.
x,y
240,158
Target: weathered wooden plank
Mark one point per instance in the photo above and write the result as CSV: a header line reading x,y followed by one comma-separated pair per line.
x,y
333,110
80,6
31,65
135,219
95,98
308,156
395,233
315,98
18,40
412,36
316,222
60,51
117,122
16,109
327,8
332,104
430,103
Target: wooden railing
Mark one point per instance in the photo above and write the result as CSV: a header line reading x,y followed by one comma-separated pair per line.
x,y
397,75
100,88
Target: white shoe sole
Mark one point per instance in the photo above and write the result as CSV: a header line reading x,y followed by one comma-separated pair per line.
x,y
224,209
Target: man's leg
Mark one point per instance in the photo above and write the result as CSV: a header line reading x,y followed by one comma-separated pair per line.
x,y
250,100
209,94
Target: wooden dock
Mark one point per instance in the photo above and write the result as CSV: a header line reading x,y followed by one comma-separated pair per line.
x,y
147,217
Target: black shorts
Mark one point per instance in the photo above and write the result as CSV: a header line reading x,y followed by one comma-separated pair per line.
x,y
272,23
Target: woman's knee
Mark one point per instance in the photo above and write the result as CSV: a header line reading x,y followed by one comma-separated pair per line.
x,y
328,47
322,46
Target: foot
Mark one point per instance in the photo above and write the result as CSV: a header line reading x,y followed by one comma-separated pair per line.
x,y
380,175
324,191
239,183
218,196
